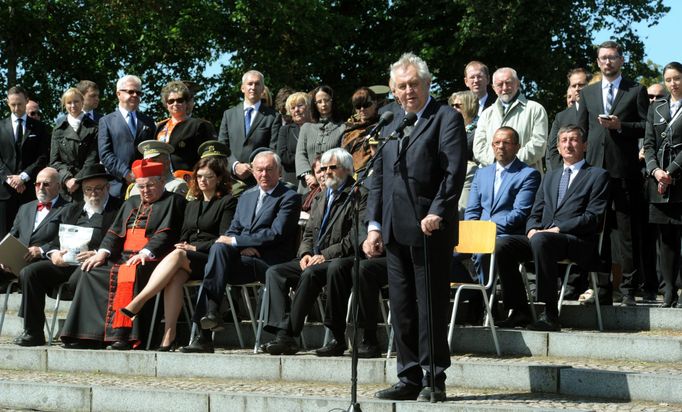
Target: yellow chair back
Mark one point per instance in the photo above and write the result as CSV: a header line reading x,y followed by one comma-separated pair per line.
x,y
476,236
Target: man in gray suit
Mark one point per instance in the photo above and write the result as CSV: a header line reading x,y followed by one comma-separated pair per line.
x,y
121,131
248,126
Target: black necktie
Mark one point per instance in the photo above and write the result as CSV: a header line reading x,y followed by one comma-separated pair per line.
x,y
19,133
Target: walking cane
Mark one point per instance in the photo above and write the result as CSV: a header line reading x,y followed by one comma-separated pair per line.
x,y
429,319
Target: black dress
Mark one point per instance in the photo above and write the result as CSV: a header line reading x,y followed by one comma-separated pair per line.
x,y
204,223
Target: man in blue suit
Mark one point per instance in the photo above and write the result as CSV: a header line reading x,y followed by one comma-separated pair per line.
x,y
563,224
503,192
264,232
121,131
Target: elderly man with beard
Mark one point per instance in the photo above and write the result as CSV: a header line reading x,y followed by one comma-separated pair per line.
x,y
327,236
97,211
145,229
512,109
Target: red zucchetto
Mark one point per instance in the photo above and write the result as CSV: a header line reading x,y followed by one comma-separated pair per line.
x,y
146,168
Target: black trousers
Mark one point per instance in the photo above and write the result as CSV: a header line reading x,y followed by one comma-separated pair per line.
x,y
407,296
226,266
38,279
372,277
624,229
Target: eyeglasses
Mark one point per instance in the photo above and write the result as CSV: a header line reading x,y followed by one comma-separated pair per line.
x,y
328,167
179,100
605,59
457,105
35,113
365,105
655,96
132,92
43,184
93,189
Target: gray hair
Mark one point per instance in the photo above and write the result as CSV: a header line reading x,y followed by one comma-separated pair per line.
x,y
278,160
253,73
342,157
411,59
506,69
128,78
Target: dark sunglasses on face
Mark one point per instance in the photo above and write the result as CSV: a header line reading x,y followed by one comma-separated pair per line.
x,y
132,92
35,113
655,96
179,100
365,105
457,105
330,167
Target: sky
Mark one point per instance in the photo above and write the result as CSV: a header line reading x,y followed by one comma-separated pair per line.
x,y
658,40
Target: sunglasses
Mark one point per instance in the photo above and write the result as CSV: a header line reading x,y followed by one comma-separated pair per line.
x,y
329,167
34,113
179,100
132,92
365,105
457,105
655,96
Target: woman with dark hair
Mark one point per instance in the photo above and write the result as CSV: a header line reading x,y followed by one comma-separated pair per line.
x,y
354,139
298,111
663,154
315,138
182,132
206,218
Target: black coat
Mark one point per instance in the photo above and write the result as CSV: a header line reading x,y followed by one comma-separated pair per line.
x,y
72,150
658,120
186,138
205,222
286,149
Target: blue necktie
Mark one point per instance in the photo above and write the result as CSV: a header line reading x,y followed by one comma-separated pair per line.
x,y
563,184
259,203
247,121
132,124
609,100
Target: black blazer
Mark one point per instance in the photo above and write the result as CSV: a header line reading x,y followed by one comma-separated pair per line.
x,y
274,231
44,233
72,150
73,214
205,222
425,177
657,125
32,156
264,128
186,138
565,117
614,151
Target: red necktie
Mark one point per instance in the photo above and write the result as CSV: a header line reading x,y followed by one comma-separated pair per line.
x,y
42,206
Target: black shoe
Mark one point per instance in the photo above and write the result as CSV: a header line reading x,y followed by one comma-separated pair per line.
x,y
170,348
211,321
83,344
120,345
518,318
128,313
283,345
198,345
649,297
628,300
399,392
425,395
29,339
333,348
367,350
546,323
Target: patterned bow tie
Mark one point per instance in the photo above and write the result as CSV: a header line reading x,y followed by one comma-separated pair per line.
x,y
42,206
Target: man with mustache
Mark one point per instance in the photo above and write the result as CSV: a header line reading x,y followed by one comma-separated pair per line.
x,y
512,109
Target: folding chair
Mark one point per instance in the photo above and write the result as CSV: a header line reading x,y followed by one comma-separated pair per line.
x,y
8,291
476,236
187,309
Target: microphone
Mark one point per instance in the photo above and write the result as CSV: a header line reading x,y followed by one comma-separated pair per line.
x,y
408,120
385,119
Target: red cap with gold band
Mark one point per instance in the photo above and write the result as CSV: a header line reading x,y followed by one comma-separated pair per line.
x,y
147,168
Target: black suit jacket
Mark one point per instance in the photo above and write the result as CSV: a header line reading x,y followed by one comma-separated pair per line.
x,y
426,177
31,157
612,150
23,229
583,207
72,150
264,128
274,231
186,138
565,117
72,214
206,221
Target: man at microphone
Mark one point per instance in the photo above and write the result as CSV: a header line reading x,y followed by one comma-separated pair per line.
x,y
416,185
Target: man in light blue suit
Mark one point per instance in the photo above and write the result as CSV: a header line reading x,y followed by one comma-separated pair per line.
x,y
502,192
121,131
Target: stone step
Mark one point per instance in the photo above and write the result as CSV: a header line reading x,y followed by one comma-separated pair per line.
x,y
615,380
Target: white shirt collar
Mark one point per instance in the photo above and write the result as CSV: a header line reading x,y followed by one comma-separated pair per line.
x,y
256,106
124,112
420,112
616,83
15,118
575,166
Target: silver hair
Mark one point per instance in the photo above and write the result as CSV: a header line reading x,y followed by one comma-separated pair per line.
x,y
126,79
253,72
506,69
411,59
342,157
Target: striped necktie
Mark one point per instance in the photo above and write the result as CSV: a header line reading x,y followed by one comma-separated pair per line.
x,y
609,100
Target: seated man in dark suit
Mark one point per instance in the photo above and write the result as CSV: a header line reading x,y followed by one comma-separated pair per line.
x,y
564,223
97,210
263,232
31,223
327,236
504,191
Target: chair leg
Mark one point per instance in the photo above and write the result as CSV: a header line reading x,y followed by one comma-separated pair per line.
x,y
153,323
4,308
453,316
51,330
493,329
261,318
389,346
595,287
249,307
194,330
233,310
563,286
